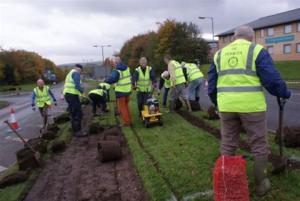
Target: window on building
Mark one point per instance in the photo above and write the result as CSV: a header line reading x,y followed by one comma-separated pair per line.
x,y
298,47
287,28
262,33
298,27
270,31
287,49
270,49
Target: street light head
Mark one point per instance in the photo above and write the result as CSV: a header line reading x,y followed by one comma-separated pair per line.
x,y
202,18
95,45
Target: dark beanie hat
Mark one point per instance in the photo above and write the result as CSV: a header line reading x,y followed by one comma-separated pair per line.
x,y
78,66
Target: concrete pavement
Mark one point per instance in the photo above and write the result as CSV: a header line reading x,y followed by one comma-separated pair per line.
x,y
291,115
29,121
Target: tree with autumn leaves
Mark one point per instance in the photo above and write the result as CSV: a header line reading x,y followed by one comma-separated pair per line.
x,y
20,66
179,39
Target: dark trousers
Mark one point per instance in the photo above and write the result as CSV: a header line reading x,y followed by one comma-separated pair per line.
x,y
98,101
165,96
44,114
142,99
107,95
74,107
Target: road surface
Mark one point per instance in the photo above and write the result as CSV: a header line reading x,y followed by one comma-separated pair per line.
x,y
291,115
29,121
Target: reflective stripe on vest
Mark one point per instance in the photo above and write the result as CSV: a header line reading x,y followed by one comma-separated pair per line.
x,y
144,82
193,72
167,83
180,79
239,88
69,86
99,92
42,97
124,82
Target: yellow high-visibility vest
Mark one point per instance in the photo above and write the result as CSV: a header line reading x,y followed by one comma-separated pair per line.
x,y
239,88
124,82
144,82
180,79
42,96
69,86
193,72
99,92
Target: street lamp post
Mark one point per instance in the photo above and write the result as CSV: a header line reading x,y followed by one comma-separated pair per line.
x,y
102,49
212,26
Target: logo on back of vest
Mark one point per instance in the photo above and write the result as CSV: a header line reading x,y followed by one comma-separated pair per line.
x,y
233,61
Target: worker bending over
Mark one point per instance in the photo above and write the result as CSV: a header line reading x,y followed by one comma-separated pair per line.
x,y
165,83
194,79
122,78
98,98
106,87
143,81
177,82
236,79
41,98
72,91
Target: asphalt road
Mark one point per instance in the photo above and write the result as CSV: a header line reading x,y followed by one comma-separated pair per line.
x,y
29,121
291,114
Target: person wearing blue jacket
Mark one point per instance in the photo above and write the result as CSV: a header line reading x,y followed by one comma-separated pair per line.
x,y
236,80
121,77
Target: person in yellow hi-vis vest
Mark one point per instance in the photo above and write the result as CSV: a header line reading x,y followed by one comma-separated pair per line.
x,y
41,97
144,82
72,92
235,85
178,82
194,79
98,98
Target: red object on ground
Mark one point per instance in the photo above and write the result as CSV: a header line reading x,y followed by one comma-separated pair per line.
x,y
124,109
13,121
230,179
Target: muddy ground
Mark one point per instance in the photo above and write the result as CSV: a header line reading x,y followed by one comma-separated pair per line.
x,y
78,175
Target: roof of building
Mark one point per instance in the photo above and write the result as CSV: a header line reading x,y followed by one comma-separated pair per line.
x,y
271,20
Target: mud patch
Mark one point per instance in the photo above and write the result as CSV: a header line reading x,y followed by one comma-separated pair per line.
x,y
78,175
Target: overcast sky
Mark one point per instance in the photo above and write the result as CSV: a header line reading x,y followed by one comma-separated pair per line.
x,y
65,30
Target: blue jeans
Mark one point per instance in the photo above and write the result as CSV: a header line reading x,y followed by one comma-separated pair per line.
x,y
194,89
165,96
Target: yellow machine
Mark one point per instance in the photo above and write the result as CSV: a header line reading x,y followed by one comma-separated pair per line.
x,y
151,113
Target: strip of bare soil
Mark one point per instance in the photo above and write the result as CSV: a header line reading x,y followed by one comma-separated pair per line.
x,y
244,145
78,175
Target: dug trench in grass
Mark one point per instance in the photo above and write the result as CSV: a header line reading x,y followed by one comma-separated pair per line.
x,y
178,157
243,144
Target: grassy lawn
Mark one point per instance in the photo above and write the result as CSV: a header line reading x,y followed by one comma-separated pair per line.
x,y
18,191
289,70
24,87
3,104
185,156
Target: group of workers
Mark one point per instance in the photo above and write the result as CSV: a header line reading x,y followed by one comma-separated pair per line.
x,y
236,79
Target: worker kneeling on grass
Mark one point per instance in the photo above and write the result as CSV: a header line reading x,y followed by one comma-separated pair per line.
x,y
98,98
106,87
177,83
194,79
236,80
41,98
143,81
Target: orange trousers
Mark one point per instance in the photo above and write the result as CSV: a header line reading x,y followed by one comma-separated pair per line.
x,y
123,108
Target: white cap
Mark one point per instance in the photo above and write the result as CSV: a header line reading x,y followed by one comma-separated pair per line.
x,y
165,74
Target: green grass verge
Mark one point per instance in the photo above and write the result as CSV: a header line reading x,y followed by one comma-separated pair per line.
x,y
186,155
289,70
18,191
24,87
3,104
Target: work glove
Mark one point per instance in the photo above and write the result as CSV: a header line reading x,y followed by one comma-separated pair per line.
x,y
134,87
55,103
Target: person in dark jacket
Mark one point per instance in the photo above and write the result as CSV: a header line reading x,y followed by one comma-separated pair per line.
x,y
235,82
121,77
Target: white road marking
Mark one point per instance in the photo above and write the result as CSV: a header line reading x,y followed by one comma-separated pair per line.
x,y
15,139
2,168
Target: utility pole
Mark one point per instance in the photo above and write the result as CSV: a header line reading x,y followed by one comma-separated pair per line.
x,y
102,49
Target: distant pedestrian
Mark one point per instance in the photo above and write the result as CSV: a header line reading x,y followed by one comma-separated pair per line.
x,y
144,82
235,85
121,77
72,91
41,97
